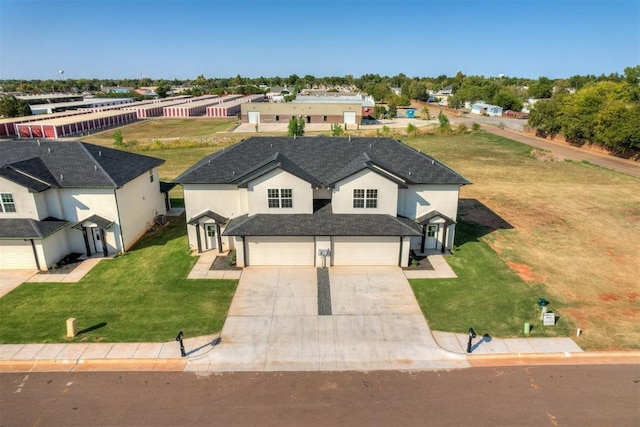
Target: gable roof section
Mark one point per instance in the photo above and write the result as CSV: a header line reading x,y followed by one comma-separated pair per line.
x,y
426,218
39,165
207,214
324,159
277,161
21,228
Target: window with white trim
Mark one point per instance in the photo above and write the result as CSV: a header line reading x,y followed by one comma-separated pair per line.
x,y
365,198
280,197
7,203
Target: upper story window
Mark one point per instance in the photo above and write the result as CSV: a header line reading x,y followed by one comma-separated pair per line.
x,y
7,204
365,198
151,175
280,197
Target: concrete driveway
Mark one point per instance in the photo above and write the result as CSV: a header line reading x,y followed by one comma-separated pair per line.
x,y
11,279
273,324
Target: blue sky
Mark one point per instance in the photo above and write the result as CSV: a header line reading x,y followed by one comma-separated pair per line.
x,y
222,38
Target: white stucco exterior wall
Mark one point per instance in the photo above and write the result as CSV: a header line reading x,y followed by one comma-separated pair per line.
x,y
342,201
418,200
301,191
139,201
224,199
80,203
25,202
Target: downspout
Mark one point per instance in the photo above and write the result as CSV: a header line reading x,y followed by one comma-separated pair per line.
x,y
35,254
400,259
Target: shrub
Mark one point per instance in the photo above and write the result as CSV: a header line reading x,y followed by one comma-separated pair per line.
x,y
411,129
475,127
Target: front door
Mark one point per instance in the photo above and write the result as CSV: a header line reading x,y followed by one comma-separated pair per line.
x,y
431,241
210,229
97,241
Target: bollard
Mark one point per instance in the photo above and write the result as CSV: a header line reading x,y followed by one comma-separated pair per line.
x,y
527,327
578,332
72,329
179,339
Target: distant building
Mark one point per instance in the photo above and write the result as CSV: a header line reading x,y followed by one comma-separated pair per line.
x,y
486,110
323,112
116,89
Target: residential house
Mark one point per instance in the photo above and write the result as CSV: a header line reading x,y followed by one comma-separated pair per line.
x,y
321,201
486,109
58,198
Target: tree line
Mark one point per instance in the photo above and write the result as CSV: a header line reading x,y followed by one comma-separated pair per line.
x,y
605,113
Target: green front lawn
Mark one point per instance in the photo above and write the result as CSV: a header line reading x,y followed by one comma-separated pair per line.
x,y
140,296
486,296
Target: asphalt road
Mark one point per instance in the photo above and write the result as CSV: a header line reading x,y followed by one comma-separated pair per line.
x,y
562,150
600,395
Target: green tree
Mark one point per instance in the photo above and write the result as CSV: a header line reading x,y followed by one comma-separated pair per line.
x,y
507,100
618,126
393,111
117,139
542,88
425,113
10,106
337,130
296,126
545,115
444,122
411,129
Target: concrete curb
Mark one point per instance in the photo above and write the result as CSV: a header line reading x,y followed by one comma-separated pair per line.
x,y
93,365
583,358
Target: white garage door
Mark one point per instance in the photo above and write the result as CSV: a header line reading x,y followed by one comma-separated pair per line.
x,y
366,250
16,254
280,250
350,117
254,116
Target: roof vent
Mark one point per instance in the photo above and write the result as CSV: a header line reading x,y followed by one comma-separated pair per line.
x,y
349,138
209,162
433,162
409,173
38,141
61,177
95,168
100,153
234,172
49,150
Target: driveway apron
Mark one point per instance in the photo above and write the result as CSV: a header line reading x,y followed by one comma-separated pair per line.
x,y
273,324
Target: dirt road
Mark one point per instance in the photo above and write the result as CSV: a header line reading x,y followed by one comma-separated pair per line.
x,y
561,150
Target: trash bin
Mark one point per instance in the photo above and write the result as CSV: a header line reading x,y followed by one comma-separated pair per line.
x,y
527,328
542,302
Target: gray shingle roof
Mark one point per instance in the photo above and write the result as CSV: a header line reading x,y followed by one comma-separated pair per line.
x,y
19,228
323,159
208,214
71,164
321,223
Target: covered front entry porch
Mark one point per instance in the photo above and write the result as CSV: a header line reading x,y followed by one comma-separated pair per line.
x,y
208,230
435,227
94,233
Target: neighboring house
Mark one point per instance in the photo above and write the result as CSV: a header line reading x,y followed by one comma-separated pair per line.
x,y
287,201
486,109
58,198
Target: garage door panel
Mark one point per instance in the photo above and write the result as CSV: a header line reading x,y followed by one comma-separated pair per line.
x,y
16,254
277,250
361,250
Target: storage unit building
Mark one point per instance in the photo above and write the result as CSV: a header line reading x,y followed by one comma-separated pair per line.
x,y
74,125
232,108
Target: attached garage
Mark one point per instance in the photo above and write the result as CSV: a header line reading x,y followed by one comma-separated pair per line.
x,y
280,250
16,254
366,250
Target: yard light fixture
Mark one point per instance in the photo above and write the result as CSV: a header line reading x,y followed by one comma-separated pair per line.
x,y
179,339
472,335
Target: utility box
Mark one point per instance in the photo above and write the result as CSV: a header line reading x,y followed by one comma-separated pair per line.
x,y
72,328
549,318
